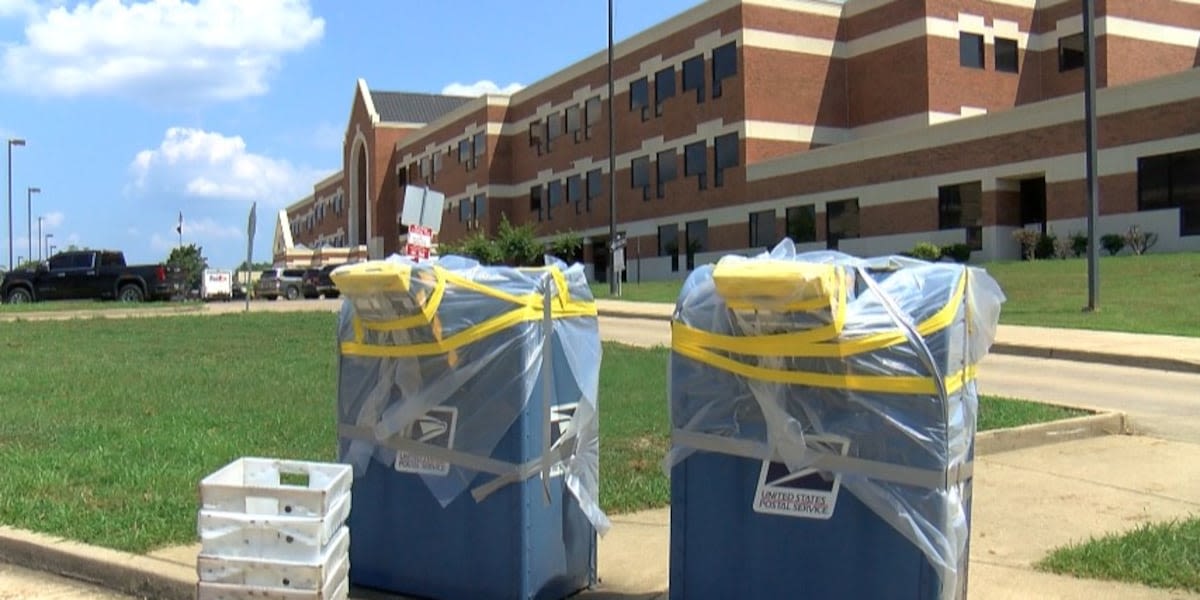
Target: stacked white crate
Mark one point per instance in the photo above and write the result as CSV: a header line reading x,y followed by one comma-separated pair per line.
x,y
263,536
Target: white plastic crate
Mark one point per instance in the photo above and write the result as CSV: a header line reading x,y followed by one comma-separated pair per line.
x,y
238,535
332,566
261,486
337,590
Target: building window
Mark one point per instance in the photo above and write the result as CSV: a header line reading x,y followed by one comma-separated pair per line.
x,y
591,115
464,153
695,162
554,129
424,168
594,187
639,97
724,65
537,135
1172,181
841,222
1007,58
693,76
762,229
1070,52
665,165
664,87
437,166
464,211
697,240
668,244
639,171
802,224
574,123
480,144
554,197
575,192
960,206
970,50
535,201
725,155
480,208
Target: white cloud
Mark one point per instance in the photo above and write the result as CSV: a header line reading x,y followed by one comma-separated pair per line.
x,y
53,219
133,231
204,232
207,164
9,8
164,50
480,88
209,229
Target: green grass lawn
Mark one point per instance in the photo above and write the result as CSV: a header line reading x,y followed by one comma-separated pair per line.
x,y
1164,555
1154,293
107,426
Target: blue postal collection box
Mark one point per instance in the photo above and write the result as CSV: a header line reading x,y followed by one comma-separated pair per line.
x,y
467,406
823,414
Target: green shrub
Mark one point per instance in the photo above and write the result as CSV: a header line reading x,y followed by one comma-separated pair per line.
x,y
960,253
926,251
1113,243
1045,247
1079,244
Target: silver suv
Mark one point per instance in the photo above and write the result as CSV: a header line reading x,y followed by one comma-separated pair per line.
x,y
279,282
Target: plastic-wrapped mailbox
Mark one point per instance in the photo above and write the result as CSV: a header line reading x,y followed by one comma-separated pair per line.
x,y
467,405
823,411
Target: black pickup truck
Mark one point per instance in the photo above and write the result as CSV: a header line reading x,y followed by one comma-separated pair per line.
x,y
92,274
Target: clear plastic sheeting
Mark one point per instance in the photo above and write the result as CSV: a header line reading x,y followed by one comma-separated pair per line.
x,y
437,360
775,354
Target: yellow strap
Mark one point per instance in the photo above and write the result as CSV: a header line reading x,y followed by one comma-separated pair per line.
x,y
896,384
469,335
804,343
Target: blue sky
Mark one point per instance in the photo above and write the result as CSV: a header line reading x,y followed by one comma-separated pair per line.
x,y
137,111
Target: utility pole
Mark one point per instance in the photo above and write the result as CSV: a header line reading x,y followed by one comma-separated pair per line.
x,y
1089,115
614,284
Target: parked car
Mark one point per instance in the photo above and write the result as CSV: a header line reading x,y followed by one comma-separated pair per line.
x,y
92,274
279,282
317,283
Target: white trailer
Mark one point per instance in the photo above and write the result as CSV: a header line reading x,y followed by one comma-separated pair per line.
x,y
217,284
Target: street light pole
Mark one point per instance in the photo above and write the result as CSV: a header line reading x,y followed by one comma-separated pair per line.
x,y
11,142
49,248
1089,109
614,285
41,243
29,192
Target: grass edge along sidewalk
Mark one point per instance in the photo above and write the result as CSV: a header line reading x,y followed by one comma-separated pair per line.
x,y
107,443
1162,555
1152,293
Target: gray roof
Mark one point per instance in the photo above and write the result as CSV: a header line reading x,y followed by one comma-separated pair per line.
x,y
408,107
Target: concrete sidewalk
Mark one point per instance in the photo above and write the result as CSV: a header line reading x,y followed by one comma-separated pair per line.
x,y
1162,352
1026,503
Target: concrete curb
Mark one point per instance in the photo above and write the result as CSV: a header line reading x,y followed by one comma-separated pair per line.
x,y
1041,434
1161,363
132,574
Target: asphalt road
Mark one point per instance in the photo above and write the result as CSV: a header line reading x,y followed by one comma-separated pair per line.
x,y
17,583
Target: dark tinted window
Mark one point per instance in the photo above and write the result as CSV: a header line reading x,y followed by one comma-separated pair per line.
x,y
693,76
639,96
535,200
697,240
640,175
1006,55
841,221
724,65
595,186
665,165
664,87
725,155
970,50
695,161
294,273
762,229
1070,52
668,244
802,223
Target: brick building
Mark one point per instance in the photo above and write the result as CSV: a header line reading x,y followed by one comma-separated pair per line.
x,y
868,126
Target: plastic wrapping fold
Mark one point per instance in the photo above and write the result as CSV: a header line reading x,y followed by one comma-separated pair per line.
x,y
880,352
438,360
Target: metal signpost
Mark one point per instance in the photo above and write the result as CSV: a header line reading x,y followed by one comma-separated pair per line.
x,y
250,226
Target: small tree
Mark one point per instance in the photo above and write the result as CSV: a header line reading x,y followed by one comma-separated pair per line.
x,y
567,246
190,259
1140,242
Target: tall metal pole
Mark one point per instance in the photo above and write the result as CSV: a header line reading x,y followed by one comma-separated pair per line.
x,y
40,244
1093,200
614,285
29,192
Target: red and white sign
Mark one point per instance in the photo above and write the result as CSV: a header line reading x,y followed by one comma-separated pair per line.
x,y
420,240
